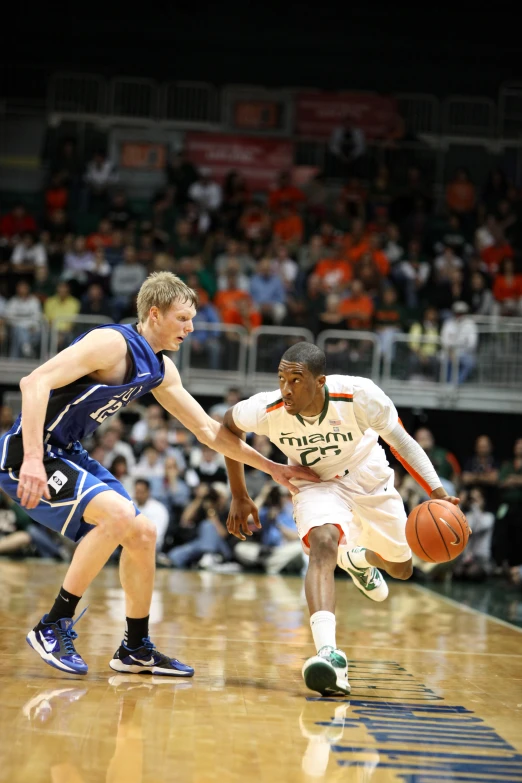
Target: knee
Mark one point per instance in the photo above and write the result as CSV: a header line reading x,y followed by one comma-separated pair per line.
x,y
324,544
118,523
144,533
401,570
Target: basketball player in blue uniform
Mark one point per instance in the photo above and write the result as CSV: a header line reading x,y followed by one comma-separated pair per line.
x,y
44,467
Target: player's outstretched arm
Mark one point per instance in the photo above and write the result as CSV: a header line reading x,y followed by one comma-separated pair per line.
x,y
242,506
178,402
98,350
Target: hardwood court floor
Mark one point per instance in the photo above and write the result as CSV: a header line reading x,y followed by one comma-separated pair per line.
x,y
437,690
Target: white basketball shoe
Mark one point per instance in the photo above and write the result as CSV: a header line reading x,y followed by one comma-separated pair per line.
x,y
327,672
368,580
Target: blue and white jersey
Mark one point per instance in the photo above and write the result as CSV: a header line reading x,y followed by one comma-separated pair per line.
x,y
77,409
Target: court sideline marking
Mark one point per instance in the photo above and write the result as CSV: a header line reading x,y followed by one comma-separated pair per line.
x,y
465,607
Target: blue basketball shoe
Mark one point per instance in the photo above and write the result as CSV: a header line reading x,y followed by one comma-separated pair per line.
x,y
148,660
54,643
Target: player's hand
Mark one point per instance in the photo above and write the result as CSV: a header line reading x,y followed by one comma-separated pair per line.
x,y
441,494
283,473
240,510
32,482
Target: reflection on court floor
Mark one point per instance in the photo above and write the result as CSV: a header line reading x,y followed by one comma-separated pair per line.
x,y
436,690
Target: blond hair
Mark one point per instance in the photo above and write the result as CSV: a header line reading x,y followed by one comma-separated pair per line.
x,y
161,290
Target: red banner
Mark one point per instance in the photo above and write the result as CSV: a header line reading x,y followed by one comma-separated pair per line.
x,y
258,160
318,113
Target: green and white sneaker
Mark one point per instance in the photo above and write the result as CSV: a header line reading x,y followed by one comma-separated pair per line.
x,y
368,580
327,672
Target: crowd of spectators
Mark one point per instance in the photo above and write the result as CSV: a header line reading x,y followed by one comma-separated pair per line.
x,y
364,256
182,486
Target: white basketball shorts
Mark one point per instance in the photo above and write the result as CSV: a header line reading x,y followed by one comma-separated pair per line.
x,y
364,505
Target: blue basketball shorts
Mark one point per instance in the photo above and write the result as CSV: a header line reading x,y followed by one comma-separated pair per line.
x,y
73,479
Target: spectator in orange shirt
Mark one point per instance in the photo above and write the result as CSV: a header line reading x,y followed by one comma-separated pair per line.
x,y
495,253
356,242
372,246
102,237
56,195
507,289
285,193
367,271
336,272
288,227
255,222
243,314
460,194
357,308
228,296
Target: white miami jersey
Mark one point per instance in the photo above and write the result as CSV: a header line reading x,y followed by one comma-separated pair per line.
x,y
334,443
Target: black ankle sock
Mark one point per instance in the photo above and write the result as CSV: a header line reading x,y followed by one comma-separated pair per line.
x,y
136,631
64,606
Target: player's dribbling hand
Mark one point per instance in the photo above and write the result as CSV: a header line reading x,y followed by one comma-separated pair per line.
x,y
282,474
441,494
240,510
32,483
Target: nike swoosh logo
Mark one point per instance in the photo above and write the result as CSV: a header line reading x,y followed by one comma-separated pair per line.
x,y
457,537
287,433
150,662
141,374
48,646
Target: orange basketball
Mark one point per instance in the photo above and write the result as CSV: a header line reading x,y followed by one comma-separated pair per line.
x,y
437,531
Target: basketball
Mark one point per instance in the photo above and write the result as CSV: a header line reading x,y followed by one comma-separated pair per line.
x,y
437,531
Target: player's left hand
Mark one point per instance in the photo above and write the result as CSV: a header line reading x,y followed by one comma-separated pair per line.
x,y
240,511
441,494
282,474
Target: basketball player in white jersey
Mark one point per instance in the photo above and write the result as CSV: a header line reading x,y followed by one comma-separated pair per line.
x,y
355,517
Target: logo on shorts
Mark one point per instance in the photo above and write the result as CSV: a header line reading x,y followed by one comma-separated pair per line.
x,y
58,480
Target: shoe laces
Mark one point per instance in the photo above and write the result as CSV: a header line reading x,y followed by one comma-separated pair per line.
x,y
150,646
68,635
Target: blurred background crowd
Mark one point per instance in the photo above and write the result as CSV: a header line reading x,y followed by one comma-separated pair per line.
x,y
182,486
361,255
364,255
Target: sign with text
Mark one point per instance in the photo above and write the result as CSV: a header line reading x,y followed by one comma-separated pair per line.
x,y
258,160
318,113
257,115
142,155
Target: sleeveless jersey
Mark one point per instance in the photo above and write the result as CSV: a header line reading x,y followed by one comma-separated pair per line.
x,y
333,446
77,409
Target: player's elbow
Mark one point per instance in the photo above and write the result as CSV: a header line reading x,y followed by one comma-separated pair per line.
x,y
30,382
207,433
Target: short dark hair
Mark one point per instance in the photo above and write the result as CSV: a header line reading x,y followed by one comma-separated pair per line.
x,y
309,354
143,481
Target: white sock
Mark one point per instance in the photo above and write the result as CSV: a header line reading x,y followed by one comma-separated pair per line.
x,y
323,629
358,557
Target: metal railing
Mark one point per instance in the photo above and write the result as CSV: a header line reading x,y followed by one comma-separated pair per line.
x,y
217,352
65,329
351,352
24,342
465,116
203,104
414,358
137,98
196,102
77,93
510,111
420,112
267,345
499,359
